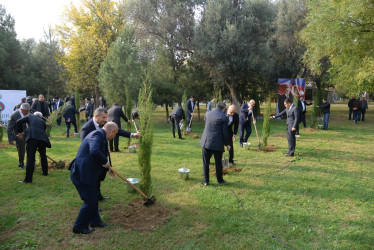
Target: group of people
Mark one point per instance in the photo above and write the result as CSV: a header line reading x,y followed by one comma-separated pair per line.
x,y
358,108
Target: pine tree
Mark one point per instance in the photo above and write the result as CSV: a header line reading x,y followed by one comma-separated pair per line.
x,y
146,141
266,124
184,107
128,111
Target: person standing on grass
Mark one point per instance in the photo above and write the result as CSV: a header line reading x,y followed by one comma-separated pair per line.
x,y
245,121
190,109
326,113
98,121
115,113
177,116
350,106
302,107
36,139
212,104
215,137
364,107
58,103
292,113
40,106
12,132
85,170
89,108
356,107
70,118
233,123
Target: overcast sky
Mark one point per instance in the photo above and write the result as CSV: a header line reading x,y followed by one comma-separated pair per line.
x,y
32,16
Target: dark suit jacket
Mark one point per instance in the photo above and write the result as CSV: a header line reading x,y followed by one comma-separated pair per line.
x,y
233,127
189,107
12,129
36,128
89,108
244,117
292,117
41,107
60,104
70,113
215,135
115,114
178,112
300,105
89,126
92,155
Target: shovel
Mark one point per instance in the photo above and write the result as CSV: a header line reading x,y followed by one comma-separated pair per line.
x,y
59,164
135,126
258,139
188,129
147,200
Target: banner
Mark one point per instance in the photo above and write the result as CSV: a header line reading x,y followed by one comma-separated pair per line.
x,y
9,99
289,87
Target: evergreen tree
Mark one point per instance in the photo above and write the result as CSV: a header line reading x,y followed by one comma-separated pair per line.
x,y
146,141
184,107
266,124
128,112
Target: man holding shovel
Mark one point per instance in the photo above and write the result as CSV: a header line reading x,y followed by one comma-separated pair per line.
x,y
245,120
190,108
85,170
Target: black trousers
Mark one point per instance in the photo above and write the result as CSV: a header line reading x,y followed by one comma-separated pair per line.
x,y
21,149
291,141
350,113
68,127
115,140
88,213
207,154
59,121
32,146
248,130
363,111
231,151
175,120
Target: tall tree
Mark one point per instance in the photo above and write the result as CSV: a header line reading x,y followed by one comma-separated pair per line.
x,y
121,68
231,41
86,36
343,32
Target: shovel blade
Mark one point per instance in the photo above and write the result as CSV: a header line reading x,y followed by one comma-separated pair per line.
x,y
149,201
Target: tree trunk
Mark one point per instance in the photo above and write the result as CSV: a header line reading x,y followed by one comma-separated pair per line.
x,y
233,95
167,112
198,110
97,96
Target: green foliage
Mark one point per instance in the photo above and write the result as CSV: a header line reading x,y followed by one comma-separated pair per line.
x,y
266,124
342,32
146,141
184,107
315,111
218,95
128,112
121,68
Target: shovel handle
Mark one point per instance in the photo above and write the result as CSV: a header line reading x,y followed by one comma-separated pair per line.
x,y
132,185
135,127
253,118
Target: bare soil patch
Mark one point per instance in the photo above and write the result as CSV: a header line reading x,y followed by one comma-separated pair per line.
x,y
310,129
193,135
269,148
225,171
280,135
136,144
136,216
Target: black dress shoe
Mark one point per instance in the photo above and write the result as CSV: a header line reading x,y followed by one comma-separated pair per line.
x,y
286,153
290,155
83,231
205,183
117,150
101,224
24,181
241,144
181,138
106,197
222,182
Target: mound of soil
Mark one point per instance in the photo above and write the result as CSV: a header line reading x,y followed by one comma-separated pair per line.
x,y
310,129
53,166
193,135
136,216
135,144
269,148
225,171
280,135
3,146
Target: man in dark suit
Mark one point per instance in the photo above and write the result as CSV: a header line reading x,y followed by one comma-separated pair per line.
x,y
292,112
23,100
58,103
89,108
350,106
40,106
190,109
302,108
177,116
283,97
12,132
29,100
69,116
97,122
115,113
233,123
245,120
89,164
36,139
213,140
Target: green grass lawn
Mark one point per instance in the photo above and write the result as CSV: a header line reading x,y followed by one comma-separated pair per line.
x,y
322,198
